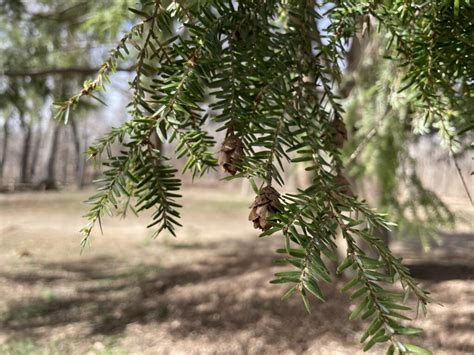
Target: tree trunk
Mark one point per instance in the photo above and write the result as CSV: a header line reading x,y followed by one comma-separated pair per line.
x,y
6,136
36,151
65,158
79,158
25,154
49,182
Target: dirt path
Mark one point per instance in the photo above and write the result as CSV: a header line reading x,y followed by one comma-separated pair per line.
x,y
206,292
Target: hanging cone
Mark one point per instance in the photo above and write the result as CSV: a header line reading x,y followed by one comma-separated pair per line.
x,y
265,204
232,151
343,185
339,134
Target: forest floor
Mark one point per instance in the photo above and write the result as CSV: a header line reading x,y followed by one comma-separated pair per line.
x,y
204,292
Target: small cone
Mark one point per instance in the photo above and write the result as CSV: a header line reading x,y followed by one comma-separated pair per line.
x,y
232,151
343,185
265,204
339,135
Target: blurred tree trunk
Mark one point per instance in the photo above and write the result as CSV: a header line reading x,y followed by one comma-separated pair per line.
x,y
6,137
85,143
26,149
49,182
79,158
65,157
361,46
36,150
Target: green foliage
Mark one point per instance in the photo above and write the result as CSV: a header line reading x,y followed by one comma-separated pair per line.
x,y
431,44
380,120
266,72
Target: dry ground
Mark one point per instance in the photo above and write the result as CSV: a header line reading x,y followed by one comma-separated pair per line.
x,y
205,292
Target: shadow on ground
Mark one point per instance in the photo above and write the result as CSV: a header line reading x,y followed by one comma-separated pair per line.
x,y
451,259
224,295
219,297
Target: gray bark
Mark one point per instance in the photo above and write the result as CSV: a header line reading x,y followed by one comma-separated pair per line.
x,y
36,151
49,182
6,136
26,149
79,156
65,158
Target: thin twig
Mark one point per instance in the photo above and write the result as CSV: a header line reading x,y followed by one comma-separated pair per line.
x,y
366,139
461,176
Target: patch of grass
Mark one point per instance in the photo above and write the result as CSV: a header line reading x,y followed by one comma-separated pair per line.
x,y
48,294
17,348
26,347
108,346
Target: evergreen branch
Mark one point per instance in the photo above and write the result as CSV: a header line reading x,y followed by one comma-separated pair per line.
x,y
109,66
383,303
113,186
273,148
187,12
144,49
105,143
157,188
194,141
68,71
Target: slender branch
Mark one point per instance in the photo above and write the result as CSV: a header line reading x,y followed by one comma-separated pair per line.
x,y
143,53
366,139
461,176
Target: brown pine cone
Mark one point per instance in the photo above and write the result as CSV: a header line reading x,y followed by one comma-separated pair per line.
x,y
266,203
343,185
231,152
339,135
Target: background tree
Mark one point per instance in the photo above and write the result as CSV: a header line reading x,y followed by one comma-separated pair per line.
x,y
379,155
41,41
